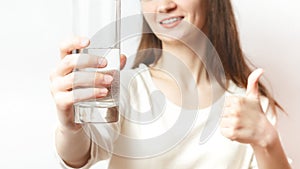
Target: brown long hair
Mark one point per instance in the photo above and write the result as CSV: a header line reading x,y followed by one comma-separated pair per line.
x,y
220,28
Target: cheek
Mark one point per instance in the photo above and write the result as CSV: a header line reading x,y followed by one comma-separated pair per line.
x,y
197,18
150,19
148,7
148,11
197,13
200,22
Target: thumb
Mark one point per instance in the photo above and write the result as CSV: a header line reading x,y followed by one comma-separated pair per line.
x,y
123,60
252,86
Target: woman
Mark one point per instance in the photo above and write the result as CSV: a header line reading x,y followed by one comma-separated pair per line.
x,y
168,62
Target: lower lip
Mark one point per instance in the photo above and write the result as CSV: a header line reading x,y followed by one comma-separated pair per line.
x,y
171,25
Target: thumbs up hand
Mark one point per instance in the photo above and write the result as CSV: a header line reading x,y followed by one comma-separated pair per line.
x,y
243,119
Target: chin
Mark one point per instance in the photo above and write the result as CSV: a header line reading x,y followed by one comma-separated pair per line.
x,y
169,39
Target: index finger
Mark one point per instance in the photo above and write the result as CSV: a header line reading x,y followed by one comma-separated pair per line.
x,y
68,46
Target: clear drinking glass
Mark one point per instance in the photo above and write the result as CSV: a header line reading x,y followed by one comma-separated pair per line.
x,y
99,20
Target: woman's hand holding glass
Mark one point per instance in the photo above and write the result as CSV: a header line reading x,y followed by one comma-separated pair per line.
x,y
65,82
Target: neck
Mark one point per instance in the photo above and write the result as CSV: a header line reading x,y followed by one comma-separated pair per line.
x,y
182,75
179,61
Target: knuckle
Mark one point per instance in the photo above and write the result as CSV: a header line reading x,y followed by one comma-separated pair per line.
x,y
52,87
237,100
242,100
236,112
232,135
52,75
52,90
62,46
69,61
70,78
68,45
223,132
63,101
236,123
222,124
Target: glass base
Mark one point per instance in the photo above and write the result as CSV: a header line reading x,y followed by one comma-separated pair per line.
x,y
96,112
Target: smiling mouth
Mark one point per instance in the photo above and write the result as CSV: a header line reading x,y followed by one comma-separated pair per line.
x,y
171,21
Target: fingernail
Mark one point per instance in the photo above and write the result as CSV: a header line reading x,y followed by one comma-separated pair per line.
x,y
103,92
102,61
84,42
108,78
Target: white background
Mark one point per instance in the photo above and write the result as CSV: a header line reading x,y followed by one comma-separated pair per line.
x,y
31,30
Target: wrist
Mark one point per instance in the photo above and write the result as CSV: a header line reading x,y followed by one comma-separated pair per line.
x,y
74,129
268,140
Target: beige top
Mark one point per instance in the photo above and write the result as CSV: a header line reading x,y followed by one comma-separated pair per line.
x,y
154,133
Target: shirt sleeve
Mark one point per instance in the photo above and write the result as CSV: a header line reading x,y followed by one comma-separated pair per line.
x,y
253,164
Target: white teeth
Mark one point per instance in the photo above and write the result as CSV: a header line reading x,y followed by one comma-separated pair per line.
x,y
171,20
